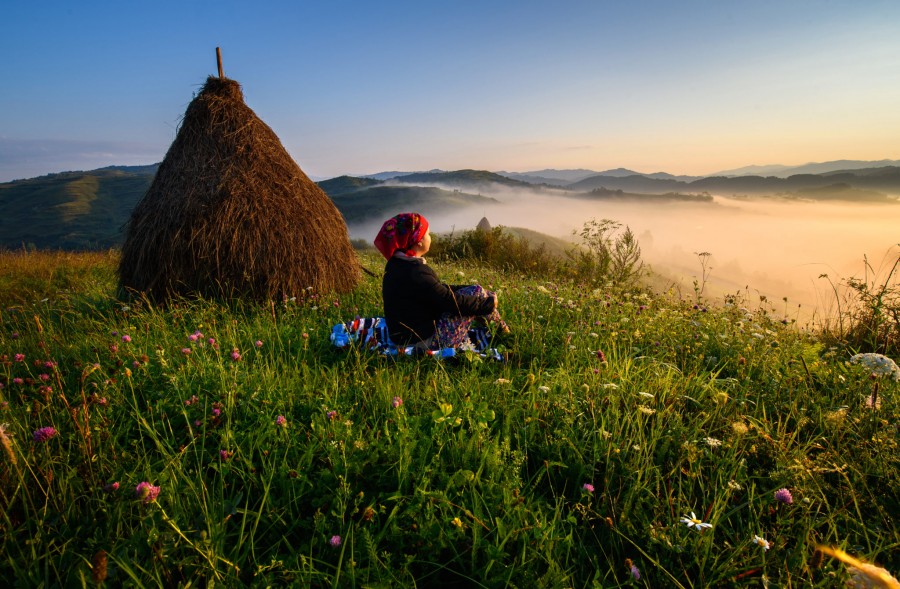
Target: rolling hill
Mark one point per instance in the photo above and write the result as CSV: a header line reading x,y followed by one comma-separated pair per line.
x,y
88,210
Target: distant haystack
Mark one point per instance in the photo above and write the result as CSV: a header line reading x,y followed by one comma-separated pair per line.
x,y
484,225
230,214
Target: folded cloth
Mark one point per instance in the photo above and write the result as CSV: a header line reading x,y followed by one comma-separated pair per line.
x,y
372,333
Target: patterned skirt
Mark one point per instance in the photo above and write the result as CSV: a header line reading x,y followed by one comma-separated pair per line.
x,y
453,331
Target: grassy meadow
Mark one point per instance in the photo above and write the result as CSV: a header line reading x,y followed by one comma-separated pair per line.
x,y
630,439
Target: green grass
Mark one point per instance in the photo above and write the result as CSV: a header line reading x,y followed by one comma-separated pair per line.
x,y
477,479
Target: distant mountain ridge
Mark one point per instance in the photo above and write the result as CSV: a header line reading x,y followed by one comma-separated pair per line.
x,y
88,210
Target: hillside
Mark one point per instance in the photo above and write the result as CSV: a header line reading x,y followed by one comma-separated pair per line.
x,y
886,180
71,210
345,184
467,179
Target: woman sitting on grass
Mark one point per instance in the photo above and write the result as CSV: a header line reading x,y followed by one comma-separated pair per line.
x,y
421,310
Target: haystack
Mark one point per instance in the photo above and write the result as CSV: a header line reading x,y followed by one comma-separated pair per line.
x,y
230,214
484,225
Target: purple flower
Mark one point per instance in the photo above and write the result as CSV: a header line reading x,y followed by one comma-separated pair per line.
x,y
601,356
332,415
784,496
43,434
235,355
185,351
224,455
146,492
44,377
396,402
588,487
195,336
635,572
258,343
126,338
19,357
18,380
15,335
113,348
111,487
335,541
216,411
49,364
280,420
211,341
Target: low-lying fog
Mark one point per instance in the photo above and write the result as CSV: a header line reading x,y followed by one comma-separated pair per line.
x,y
772,247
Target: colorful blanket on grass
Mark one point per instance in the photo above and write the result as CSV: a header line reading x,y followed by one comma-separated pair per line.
x,y
372,333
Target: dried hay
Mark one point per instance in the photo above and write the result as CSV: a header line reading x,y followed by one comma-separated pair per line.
x,y
230,214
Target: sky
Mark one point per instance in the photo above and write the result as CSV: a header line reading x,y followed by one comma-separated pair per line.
x,y
355,87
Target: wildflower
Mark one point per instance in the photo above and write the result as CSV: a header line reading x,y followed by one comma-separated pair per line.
x,y
544,389
879,364
502,381
335,541
44,377
113,348
15,335
111,487
761,542
258,343
647,395
601,356
43,434
19,357
457,522
216,411
186,351
50,364
646,410
693,522
235,355
332,415
18,380
146,492
734,485
280,420
224,455
126,338
195,336
713,442
739,428
588,487
784,496
396,402
632,568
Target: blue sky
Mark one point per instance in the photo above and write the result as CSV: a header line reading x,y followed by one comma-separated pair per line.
x,y
361,87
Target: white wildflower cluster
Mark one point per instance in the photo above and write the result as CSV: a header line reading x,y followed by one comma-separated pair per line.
x,y
879,364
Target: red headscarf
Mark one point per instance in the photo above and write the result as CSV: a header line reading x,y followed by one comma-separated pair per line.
x,y
401,233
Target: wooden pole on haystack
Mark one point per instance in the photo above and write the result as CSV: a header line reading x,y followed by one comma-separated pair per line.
x,y
219,62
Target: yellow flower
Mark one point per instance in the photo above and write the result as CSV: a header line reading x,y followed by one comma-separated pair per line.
x,y
457,522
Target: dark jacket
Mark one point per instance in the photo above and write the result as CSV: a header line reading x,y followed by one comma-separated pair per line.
x,y
414,298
